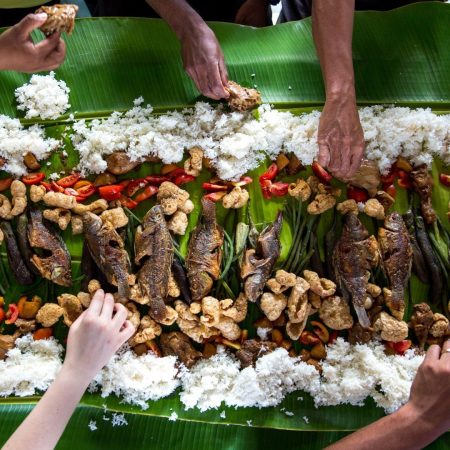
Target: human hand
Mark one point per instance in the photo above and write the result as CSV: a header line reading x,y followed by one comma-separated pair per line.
x,y
430,391
253,13
96,335
18,52
340,137
204,62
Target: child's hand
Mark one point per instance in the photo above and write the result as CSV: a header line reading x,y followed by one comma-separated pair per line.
x,y
18,52
96,335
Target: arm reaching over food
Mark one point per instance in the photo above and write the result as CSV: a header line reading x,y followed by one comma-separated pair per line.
x,y
202,56
18,52
340,135
422,420
93,339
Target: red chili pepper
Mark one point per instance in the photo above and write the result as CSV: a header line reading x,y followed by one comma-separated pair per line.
x,y
69,181
279,189
127,202
42,333
80,198
56,187
400,347
405,183
265,188
111,192
389,178
215,196
12,314
33,178
87,190
390,190
183,179
136,185
175,173
124,183
212,187
47,186
444,179
5,183
156,179
321,173
2,315
242,182
333,336
357,194
270,173
146,193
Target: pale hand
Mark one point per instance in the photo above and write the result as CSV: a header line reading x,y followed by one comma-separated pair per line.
x,y
96,335
253,13
204,62
18,52
340,137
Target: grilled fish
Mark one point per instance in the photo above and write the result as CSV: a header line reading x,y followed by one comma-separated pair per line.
x,y
397,255
154,251
258,263
16,261
108,252
51,256
352,259
204,255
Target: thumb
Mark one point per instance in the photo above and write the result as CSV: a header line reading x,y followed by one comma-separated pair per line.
x,y
324,155
30,23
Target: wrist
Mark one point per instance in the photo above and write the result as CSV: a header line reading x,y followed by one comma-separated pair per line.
x,y
82,377
340,89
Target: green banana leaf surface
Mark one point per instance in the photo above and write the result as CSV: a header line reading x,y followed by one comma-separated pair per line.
x,y
401,57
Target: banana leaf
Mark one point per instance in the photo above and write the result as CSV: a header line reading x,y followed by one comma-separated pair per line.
x,y
400,57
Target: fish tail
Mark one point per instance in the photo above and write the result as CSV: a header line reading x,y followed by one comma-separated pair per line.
x,y
363,318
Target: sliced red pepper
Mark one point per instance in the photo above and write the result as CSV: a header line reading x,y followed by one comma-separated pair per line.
x,y
42,333
56,187
176,173
400,347
389,178
444,179
5,183
136,185
215,196
183,179
127,202
270,173
47,186
69,181
321,173
148,192
212,187
86,190
156,180
124,183
405,183
357,194
279,189
80,198
111,192
81,183
2,315
265,188
390,190
242,182
33,178
12,314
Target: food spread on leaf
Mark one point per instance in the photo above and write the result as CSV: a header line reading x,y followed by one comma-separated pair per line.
x,y
231,249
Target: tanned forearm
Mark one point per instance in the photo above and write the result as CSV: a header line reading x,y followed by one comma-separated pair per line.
x,y
405,429
332,33
180,16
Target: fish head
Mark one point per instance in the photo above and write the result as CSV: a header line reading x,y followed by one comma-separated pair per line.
x,y
208,210
91,222
154,215
394,222
353,228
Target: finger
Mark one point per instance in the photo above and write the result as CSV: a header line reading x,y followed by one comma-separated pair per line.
x,y
56,57
95,308
223,75
324,155
446,350
126,332
108,306
355,160
433,353
29,23
120,316
48,45
78,321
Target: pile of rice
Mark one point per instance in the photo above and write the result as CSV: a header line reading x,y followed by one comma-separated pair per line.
x,y
44,97
351,373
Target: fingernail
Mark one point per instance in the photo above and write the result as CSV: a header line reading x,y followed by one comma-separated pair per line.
x,y
41,16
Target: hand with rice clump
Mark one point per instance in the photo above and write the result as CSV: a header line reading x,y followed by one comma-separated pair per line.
x,y
18,51
93,339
